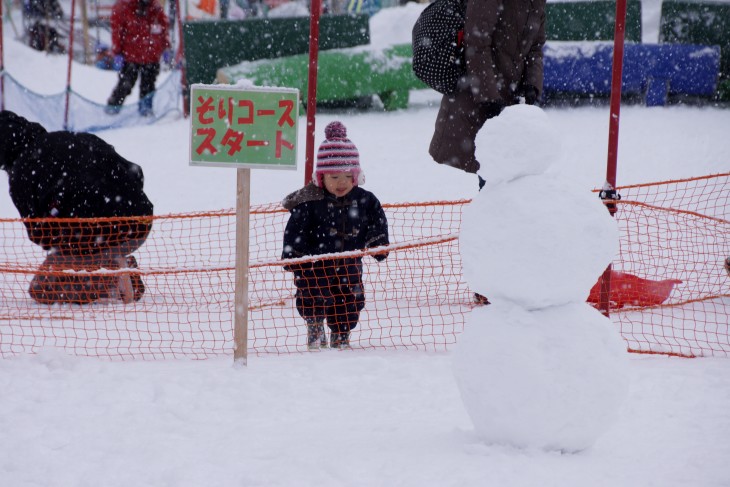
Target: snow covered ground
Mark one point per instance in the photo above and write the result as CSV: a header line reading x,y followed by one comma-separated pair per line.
x,y
359,418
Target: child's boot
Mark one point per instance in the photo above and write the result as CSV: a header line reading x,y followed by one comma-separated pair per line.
x,y
480,300
316,337
340,340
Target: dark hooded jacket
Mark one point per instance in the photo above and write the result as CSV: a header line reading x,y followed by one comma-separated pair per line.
x,y
321,223
59,175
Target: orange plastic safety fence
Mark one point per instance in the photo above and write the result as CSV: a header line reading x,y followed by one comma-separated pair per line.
x,y
678,233
176,300
415,299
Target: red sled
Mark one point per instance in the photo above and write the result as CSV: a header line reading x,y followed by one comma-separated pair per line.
x,y
627,289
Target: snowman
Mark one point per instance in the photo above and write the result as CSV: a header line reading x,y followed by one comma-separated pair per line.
x,y
539,367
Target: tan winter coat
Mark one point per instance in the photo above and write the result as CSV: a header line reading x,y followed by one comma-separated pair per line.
x,y
504,41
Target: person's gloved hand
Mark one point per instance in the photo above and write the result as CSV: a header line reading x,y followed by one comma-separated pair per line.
x,y
311,275
312,283
168,57
304,275
493,108
118,62
380,257
530,93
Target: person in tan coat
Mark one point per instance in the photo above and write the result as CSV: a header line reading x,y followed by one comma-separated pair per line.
x,y
503,43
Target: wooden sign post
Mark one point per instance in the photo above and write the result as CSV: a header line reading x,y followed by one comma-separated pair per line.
x,y
245,128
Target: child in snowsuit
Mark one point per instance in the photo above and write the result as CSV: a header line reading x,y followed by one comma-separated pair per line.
x,y
58,178
332,214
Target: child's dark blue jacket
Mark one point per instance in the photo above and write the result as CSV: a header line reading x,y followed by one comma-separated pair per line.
x,y
321,223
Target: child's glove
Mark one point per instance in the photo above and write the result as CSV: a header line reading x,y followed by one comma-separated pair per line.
x,y
313,286
310,275
380,257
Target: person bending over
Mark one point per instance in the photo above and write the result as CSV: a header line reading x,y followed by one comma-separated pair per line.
x,y
83,203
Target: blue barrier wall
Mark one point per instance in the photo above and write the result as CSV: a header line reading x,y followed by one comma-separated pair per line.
x,y
655,71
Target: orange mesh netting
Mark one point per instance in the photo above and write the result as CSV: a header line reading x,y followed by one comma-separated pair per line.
x,y
676,231
415,299
178,300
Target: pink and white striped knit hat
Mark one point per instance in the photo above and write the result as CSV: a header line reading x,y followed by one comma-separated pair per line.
x,y
337,154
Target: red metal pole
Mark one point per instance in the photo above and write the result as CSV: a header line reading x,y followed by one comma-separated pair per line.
x,y
2,64
180,56
312,88
613,124
70,63
618,63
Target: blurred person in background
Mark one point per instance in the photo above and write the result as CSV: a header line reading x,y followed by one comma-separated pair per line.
x,y
42,24
139,38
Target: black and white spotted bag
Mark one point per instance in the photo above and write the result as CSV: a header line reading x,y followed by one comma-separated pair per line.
x,y
438,51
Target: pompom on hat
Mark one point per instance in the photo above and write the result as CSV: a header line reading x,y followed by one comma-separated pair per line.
x,y
337,154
